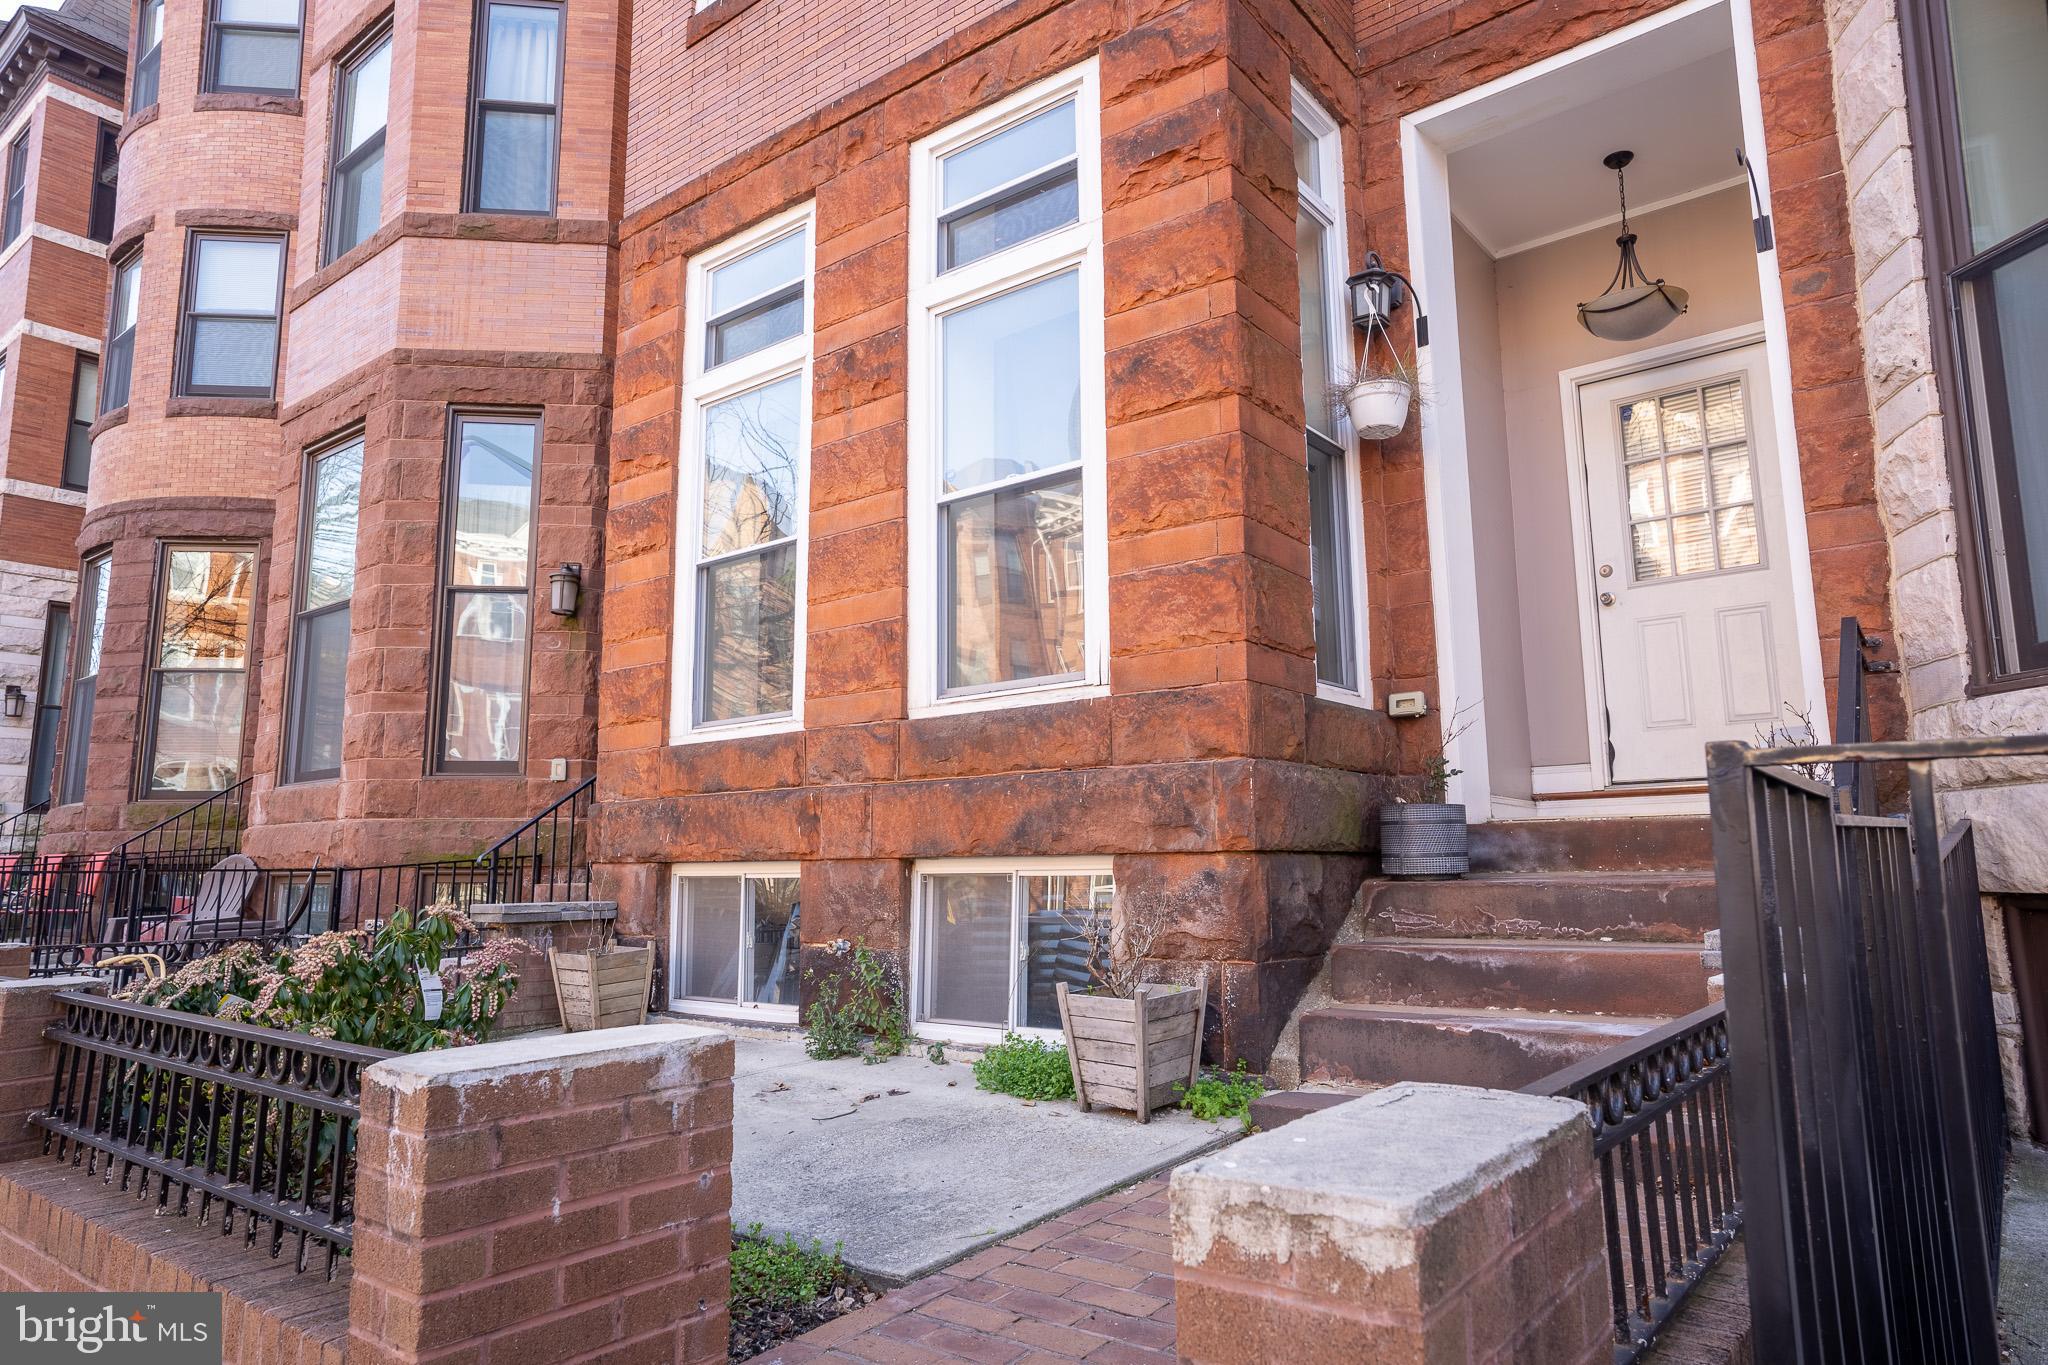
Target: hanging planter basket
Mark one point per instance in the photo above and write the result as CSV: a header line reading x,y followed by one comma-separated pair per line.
x,y
1378,405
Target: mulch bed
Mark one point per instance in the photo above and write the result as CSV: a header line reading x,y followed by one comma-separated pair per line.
x,y
763,1326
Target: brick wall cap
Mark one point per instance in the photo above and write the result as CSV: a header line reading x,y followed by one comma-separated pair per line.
x,y
1372,1173
539,912
563,1054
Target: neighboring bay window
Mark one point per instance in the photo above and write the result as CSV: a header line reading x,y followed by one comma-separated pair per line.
x,y
515,110
149,54
199,671
736,939
85,399
1008,577
234,291
252,47
746,414
106,175
1335,572
995,939
487,595
17,188
123,307
355,185
320,626
91,632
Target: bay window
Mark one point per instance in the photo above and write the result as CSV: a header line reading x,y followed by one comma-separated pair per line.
x,y
736,939
486,592
746,403
515,108
234,292
318,697
995,939
124,305
252,47
199,669
89,635
1336,577
1008,545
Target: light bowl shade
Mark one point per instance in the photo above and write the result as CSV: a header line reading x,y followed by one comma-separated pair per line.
x,y
1632,314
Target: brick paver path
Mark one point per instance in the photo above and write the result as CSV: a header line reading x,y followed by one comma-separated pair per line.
x,y
1095,1284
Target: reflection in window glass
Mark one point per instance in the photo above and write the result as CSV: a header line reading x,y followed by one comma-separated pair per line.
x,y
1020,183
1690,482
491,548
320,637
199,677
997,945
740,939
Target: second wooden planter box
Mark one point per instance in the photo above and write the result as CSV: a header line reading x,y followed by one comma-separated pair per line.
x,y
1131,1053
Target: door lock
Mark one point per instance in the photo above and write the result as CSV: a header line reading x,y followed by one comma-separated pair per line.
x,y
1606,599
1607,571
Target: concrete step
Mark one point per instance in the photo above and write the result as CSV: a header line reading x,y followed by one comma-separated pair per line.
x,y
1380,1045
1279,1107
1642,907
1580,978
1661,843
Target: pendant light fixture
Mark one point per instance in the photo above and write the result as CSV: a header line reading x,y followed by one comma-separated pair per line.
x,y
1634,306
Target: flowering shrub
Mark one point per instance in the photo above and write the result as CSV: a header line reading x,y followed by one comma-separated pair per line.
x,y
361,986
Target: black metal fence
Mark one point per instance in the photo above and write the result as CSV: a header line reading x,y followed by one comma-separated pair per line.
x,y
1668,1185
189,1110
548,857
1868,1106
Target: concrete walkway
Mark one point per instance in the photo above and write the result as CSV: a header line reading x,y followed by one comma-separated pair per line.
x,y
908,1167
2023,1258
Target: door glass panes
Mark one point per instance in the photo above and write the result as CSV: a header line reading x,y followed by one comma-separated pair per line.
x,y
2000,49
756,300
746,649
997,945
1690,482
1009,187
740,939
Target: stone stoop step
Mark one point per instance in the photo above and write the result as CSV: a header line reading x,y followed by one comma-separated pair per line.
x,y
1662,843
1584,978
1645,907
1497,1049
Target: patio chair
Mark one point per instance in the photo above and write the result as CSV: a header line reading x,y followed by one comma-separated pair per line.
x,y
217,908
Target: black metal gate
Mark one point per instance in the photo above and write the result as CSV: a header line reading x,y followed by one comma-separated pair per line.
x,y
1869,1112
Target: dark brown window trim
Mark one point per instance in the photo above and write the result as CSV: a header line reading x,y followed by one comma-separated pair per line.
x,y
181,360
209,56
144,753
477,227
247,102
238,220
289,772
110,419
136,122
2011,682
713,17
362,35
128,234
472,157
219,405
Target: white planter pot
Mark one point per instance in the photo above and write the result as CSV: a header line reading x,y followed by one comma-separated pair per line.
x,y
1379,406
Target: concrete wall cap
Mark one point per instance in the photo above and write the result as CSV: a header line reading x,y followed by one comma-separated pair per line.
x,y
543,912
1371,1174
80,982
557,1053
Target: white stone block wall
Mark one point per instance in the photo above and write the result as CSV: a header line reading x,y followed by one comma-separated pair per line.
x,y
2007,802
26,591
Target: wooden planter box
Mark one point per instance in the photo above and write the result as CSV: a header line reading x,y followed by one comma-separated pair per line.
x,y
605,988
1129,1054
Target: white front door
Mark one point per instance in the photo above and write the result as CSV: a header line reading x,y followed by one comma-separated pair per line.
x,y
1692,588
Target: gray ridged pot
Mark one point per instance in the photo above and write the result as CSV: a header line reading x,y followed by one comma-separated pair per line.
x,y
1424,839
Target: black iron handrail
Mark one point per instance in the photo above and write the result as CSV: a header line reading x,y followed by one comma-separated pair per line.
x,y
23,830
1668,1189
1855,783
549,853
210,826
259,1120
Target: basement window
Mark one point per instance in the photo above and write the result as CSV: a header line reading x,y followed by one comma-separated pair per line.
x,y
996,938
736,939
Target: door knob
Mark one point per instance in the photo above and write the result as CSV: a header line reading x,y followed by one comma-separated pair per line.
x,y
1606,599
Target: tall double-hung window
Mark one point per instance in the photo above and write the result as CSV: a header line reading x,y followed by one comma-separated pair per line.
x,y
487,577
746,438
234,295
199,669
515,108
1008,577
318,697
94,577
149,55
355,182
1336,576
252,47
124,307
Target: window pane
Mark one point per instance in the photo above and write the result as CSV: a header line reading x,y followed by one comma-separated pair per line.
x,y
1646,490
368,98
486,717
2001,51
1692,539
1681,420
1724,412
119,355
967,949
198,732
1739,546
280,13
1310,234
494,504
747,643
359,202
750,453
1732,478
518,161
2019,297
331,536
521,59
775,940
745,333
206,605
321,692
1639,430
257,61
1057,913
233,353
1308,168
1652,549
144,92
237,275
711,966
1010,384
93,598
152,26
1017,151
760,272
77,456
1688,475
1329,581
1014,560
85,390
127,294
1008,220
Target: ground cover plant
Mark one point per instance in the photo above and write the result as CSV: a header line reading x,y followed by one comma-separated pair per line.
x,y
857,1010
782,1289
1028,1068
1223,1095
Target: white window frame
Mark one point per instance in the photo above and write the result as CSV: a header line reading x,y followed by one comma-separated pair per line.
x,y
1078,247
700,390
921,873
679,946
1330,160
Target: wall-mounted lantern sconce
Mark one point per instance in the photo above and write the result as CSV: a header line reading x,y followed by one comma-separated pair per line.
x,y
565,587
1376,292
1379,391
16,701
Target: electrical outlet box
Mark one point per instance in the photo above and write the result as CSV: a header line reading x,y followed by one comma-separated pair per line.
x,y
558,770
1405,705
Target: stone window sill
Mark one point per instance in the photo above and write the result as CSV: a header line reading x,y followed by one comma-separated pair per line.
x,y
135,123
713,17
221,407
107,421
248,103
